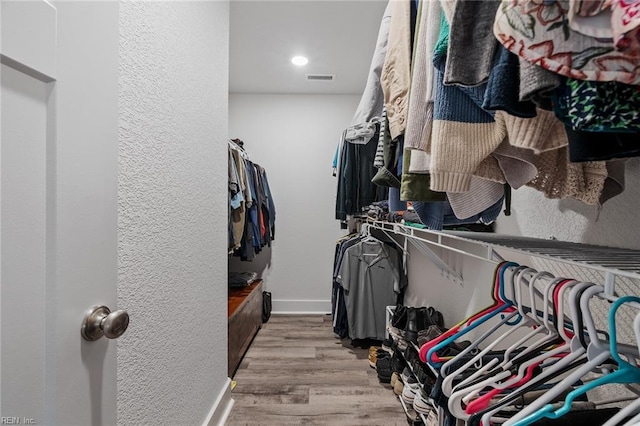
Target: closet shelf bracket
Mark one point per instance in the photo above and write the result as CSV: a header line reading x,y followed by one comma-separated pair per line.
x,y
445,269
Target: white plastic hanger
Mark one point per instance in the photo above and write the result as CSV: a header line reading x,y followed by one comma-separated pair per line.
x,y
629,410
597,354
540,359
577,351
495,380
367,238
625,373
634,407
450,376
545,328
461,390
550,337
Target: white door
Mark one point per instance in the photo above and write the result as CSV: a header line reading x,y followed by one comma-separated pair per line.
x,y
58,209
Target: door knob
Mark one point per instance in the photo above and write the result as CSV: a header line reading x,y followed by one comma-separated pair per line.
x,y
100,321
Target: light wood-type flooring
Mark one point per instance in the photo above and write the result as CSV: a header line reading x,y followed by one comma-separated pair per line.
x,y
297,373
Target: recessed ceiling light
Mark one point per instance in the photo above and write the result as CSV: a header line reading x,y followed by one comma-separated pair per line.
x,y
299,60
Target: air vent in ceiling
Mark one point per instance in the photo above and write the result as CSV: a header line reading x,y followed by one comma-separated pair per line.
x,y
320,77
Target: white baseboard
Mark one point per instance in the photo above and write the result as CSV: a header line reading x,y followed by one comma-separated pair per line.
x,y
221,407
301,306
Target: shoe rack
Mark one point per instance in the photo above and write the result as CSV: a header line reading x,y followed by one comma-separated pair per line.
x,y
413,416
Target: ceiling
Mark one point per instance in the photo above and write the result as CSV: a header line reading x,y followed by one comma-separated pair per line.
x,y
337,36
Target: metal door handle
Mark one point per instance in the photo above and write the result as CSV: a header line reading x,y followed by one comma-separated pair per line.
x,y
100,321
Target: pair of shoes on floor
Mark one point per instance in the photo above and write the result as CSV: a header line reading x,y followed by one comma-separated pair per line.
x,y
396,383
421,318
410,389
383,366
398,363
421,402
422,371
389,345
426,316
373,355
415,395
398,379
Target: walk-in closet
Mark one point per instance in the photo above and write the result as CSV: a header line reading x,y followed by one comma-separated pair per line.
x,y
320,212
456,188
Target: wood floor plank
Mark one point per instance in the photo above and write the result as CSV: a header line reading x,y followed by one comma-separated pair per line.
x,y
335,377
303,364
281,353
357,395
298,373
319,414
343,353
255,394
280,342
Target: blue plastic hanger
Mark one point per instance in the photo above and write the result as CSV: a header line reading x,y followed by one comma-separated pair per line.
x,y
505,304
522,312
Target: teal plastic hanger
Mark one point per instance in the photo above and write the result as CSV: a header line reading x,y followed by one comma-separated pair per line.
x,y
626,373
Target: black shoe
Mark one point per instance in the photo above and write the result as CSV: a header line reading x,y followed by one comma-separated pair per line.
x,y
399,319
388,345
426,317
411,329
422,319
398,363
434,317
383,368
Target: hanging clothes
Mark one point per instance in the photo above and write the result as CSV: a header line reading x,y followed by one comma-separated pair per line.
x,y
252,211
338,305
370,275
356,170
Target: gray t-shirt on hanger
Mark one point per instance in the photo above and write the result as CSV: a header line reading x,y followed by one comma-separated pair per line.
x,y
371,279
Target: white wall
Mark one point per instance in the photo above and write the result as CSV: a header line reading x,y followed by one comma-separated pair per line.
x,y
535,216
172,362
294,138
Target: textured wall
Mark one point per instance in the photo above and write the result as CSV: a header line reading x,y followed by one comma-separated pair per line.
x,y
294,138
172,361
535,216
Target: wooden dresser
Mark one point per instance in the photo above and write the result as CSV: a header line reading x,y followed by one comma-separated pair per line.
x,y
245,319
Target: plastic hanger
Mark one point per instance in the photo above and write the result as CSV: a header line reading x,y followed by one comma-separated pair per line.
x,y
599,290
444,371
504,370
629,410
447,383
545,325
634,407
497,296
501,303
524,372
586,357
526,369
367,238
530,315
560,319
635,421
626,373
517,277
570,362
